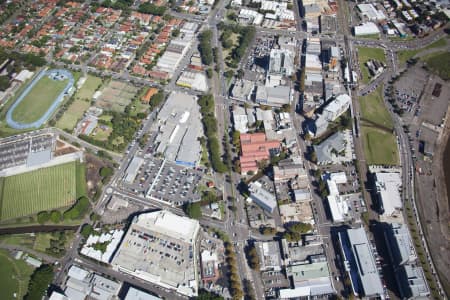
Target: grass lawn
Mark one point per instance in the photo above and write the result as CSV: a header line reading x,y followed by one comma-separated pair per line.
x,y
39,190
380,147
42,241
74,112
89,87
404,55
38,100
82,102
374,110
39,242
364,54
374,36
439,63
101,134
14,276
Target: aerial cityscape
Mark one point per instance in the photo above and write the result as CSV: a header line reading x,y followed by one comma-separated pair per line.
x,y
224,149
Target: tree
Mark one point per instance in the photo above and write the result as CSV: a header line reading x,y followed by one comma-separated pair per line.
x,y
313,157
205,47
106,171
78,210
205,295
86,230
39,282
4,82
43,217
209,73
253,258
55,216
150,8
193,210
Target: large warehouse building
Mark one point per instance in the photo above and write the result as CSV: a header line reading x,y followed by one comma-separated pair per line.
x,y
179,126
160,247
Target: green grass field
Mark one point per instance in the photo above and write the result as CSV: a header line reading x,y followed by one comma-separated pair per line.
x,y
404,55
14,276
380,147
439,63
39,190
82,102
374,110
364,54
38,100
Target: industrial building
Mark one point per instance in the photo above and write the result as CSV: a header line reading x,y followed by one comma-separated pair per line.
x,y
161,247
179,127
369,11
409,274
177,49
193,80
368,28
82,284
359,261
388,187
262,197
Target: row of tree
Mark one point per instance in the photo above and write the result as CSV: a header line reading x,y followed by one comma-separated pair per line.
x,y
206,103
77,211
205,47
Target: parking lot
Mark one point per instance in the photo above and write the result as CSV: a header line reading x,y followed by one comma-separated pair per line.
x,y
14,153
408,89
166,181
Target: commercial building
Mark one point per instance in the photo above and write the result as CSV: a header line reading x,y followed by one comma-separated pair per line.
x,y
310,280
337,107
269,256
388,187
111,238
281,62
133,169
359,262
335,149
240,119
242,90
82,284
179,127
409,275
135,294
288,169
273,95
262,197
161,247
368,28
255,147
210,266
